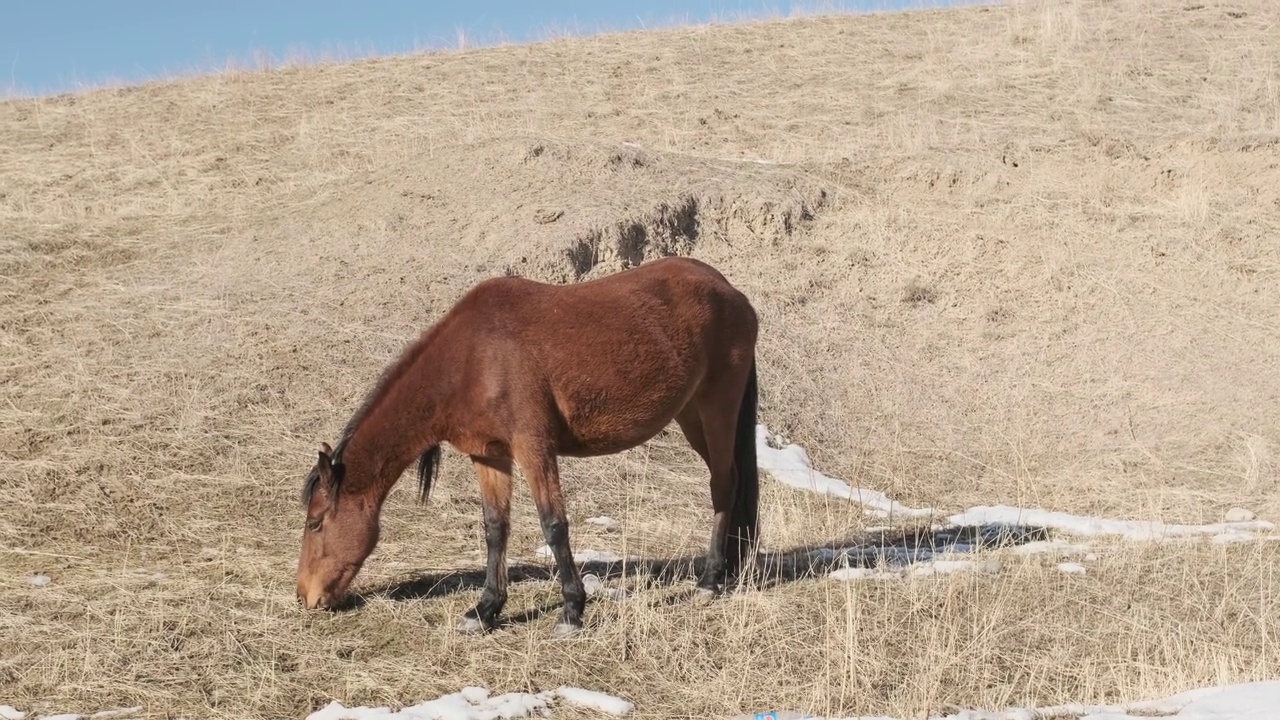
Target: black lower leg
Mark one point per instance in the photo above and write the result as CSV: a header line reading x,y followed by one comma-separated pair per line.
x,y
556,530
713,572
722,496
494,596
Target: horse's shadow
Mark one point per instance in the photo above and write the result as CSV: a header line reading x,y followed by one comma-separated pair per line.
x,y
770,569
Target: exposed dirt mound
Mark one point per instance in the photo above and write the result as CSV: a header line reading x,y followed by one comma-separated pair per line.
x,y
558,212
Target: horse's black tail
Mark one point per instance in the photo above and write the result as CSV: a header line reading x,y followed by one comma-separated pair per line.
x,y
744,519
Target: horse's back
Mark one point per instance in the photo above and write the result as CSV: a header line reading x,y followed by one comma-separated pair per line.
x,y
678,284
690,273
617,356
669,291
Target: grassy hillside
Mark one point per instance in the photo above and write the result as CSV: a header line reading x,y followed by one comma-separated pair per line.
x,y
1023,254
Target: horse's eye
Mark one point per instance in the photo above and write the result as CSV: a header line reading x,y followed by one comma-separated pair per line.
x,y
313,525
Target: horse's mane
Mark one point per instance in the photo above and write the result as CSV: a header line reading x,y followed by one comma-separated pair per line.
x,y
427,463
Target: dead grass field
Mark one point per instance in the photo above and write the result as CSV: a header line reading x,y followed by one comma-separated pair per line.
x,y
1023,254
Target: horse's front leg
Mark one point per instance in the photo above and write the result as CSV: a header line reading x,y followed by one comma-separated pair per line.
x,y
494,476
543,473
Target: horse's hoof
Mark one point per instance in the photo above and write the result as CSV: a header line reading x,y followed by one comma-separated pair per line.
x,y
703,595
564,630
471,626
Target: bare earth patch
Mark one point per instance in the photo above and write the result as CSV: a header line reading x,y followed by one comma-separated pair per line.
x,y
1015,255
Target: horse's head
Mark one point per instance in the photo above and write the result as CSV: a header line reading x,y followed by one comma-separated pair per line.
x,y
338,535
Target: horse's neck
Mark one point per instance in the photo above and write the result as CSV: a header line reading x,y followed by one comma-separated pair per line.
x,y
401,425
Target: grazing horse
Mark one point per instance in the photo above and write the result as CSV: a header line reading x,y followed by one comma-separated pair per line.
x,y
525,372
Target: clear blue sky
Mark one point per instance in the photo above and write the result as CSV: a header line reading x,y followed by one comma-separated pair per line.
x,y
49,46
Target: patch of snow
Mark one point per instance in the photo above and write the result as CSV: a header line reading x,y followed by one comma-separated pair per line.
x,y
595,586
791,466
1233,536
39,580
862,573
337,711
1244,701
1239,515
1173,703
941,544
947,567
1092,526
471,703
602,521
921,569
585,556
1052,547
595,700
1072,568
1236,702
475,703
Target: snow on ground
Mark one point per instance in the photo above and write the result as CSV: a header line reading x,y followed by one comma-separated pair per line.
x,y
1242,701
593,700
39,580
935,544
1091,526
1071,568
1055,547
1023,529
1245,701
948,567
475,703
586,556
791,466
595,586
863,573
922,569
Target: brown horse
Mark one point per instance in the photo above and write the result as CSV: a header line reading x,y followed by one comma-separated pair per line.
x,y
522,371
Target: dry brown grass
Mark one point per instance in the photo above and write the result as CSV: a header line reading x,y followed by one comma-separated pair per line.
x,y
1020,254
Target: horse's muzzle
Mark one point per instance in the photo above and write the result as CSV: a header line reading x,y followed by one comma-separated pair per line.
x,y
313,598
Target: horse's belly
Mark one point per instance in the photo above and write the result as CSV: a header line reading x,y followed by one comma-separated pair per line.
x,y
622,381
602,421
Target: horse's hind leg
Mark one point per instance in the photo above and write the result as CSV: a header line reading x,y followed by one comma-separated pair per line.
x,y
690,422
716,412
543,474
494,476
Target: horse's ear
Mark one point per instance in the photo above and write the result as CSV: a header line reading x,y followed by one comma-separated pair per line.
x,y
325,462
